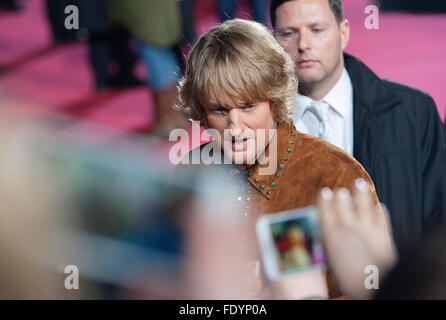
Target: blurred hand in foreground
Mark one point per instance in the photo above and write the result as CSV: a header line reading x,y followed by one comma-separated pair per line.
x,y
356,234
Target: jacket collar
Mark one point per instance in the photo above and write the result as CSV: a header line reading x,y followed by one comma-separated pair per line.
x,y
370,91
286,144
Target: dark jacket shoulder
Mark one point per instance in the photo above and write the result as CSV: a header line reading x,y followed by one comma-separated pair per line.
x,y
400,139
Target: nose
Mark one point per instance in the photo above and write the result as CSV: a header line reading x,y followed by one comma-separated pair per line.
x,y
304,42
235,122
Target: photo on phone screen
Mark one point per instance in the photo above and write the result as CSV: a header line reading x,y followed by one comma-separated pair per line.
x,y
290,241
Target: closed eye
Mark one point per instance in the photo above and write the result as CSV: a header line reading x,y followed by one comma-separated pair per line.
x,y
287,34
249,107
220,110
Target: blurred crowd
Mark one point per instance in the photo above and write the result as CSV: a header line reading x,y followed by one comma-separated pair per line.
x,y
120,33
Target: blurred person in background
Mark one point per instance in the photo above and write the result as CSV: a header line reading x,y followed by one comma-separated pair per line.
x,y
240,85
392,129
110,53
188,19
227,9
56,18
157,27
12,5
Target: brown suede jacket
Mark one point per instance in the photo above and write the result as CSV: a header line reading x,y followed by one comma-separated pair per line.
x,y
305,165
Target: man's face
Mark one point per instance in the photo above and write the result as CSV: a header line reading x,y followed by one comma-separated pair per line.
x,y
309,32
244,129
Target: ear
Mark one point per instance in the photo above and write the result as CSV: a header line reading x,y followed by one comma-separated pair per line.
x,y
345,33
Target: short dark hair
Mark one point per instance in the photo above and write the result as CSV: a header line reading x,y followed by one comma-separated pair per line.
x,y
335,6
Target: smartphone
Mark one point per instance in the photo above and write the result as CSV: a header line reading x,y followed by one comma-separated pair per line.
x,y
290,241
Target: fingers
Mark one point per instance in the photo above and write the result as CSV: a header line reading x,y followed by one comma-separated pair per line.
x,y
343,204
325,202
385,222
340,207
365,207
335,208
383,216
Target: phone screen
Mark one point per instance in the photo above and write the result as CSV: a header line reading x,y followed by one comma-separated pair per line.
x,y
297,242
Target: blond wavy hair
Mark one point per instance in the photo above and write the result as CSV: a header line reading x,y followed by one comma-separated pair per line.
x,y
239,59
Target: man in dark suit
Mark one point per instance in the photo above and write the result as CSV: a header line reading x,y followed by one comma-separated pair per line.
x,y
392,129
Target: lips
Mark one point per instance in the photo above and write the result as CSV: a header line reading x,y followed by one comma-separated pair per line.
x,y
239,144
306,62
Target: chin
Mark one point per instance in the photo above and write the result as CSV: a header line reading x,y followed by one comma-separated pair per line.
x,y
308,75
247,158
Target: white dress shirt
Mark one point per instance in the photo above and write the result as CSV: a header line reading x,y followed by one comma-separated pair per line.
x,y
331,118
